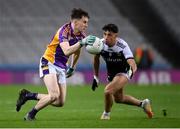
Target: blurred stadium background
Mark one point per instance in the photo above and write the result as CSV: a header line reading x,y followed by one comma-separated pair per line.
x,y
26,27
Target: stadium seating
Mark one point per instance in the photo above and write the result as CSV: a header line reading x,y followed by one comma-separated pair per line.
x,y
170,13
27,27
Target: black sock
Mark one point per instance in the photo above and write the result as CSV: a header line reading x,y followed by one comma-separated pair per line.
x,y
140,105
31,96
33,112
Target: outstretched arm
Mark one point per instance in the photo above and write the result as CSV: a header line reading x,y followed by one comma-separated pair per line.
x,y
96,63
133,66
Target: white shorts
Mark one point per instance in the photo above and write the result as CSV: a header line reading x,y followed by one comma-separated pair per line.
x,y
46,67
124,74
127,74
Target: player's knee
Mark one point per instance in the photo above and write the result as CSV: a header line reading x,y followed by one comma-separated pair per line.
x,y
59,103
53,97
108,91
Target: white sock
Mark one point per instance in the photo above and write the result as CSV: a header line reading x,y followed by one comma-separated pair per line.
x,y
106,113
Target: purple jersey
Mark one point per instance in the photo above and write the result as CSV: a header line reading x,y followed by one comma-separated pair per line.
x,y
54,52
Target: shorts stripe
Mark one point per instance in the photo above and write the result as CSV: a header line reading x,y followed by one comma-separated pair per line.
x,y
46,67
45,71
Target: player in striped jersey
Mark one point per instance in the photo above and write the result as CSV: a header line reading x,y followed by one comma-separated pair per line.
x,y
120,69
67,41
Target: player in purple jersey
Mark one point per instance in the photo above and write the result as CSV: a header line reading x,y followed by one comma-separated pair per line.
x,y
67,41
120,69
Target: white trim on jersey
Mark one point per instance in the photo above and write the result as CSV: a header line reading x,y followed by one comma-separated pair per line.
x,y
120,45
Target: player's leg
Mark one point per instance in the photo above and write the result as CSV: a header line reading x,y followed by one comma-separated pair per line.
x,y
117,83
108,102
62,88
59,102
146,105
119,97
25,95
21,99
51,83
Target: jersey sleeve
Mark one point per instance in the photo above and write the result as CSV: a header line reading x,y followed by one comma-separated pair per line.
x,y
127,51
63,35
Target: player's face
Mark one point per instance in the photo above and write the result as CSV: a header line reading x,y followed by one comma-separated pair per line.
x,y
81,24
110,38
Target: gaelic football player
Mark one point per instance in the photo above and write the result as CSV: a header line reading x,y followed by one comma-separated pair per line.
x,y
120,69
67,41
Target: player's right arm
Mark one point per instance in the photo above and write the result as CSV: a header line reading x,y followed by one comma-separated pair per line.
x,y
73,62
68,50
96,64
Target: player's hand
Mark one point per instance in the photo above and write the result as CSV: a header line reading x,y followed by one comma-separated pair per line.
x,y
69,72
95,83
89,40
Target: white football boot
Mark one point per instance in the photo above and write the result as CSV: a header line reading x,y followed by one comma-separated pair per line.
x,y
105,116
146,105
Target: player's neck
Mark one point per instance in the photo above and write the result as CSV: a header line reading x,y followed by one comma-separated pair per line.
x,y
75,31
112,44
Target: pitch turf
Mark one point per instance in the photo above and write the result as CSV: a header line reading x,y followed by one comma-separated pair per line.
x,y
84,107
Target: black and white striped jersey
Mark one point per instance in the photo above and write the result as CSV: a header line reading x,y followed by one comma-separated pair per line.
x,y
116,57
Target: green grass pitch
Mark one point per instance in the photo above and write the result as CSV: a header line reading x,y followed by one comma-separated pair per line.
x,y
83,109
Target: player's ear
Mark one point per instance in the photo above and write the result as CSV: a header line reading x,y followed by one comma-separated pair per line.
x,y
75,22
115,35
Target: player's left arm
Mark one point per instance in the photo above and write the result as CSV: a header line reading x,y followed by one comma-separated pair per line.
x,y
73,62
75,58
130,59
132,65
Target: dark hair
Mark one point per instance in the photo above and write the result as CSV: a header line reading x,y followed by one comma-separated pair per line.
x,y
111,28
78,13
